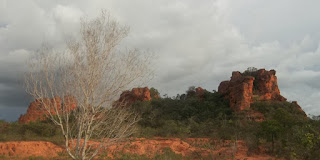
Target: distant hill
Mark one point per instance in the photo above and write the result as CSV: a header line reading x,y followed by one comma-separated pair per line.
x,y
248,107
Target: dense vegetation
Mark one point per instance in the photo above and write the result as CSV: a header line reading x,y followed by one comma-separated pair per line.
x,y
285,132
183,116
34,131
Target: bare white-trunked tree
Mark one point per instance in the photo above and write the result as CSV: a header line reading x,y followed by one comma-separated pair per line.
x,y
91,72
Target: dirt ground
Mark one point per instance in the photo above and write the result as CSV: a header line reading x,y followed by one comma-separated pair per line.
x,y
141,146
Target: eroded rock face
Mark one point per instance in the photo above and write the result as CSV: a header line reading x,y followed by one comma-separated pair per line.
x,y
238,90
200,92
127,98
36,110
243,90
267,86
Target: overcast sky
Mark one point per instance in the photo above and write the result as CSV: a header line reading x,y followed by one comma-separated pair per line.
x,y
197,43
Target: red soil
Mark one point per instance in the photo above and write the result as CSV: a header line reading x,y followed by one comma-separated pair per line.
x,y
142,146
26,149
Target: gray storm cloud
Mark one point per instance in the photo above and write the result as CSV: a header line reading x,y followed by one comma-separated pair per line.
x,y
196,42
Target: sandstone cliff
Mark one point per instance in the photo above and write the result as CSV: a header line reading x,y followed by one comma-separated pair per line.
x,y
36,110
127,98
239,90
243,90
200,93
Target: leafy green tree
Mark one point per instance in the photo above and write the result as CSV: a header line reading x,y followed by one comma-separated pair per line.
x,y
271,129
154,93
251,71
191,92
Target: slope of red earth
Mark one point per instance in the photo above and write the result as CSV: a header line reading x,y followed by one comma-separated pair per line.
x,y
32,148
150,147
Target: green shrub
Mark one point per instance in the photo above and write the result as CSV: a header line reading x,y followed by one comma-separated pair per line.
x,y
45,131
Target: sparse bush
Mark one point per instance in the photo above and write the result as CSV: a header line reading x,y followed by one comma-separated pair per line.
x,y
251,71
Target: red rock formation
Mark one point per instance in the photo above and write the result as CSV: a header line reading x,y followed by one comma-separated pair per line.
x,y
238,90
37,110
127,98
243,90
267,86
200,92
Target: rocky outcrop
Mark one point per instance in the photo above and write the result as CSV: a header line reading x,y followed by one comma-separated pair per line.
x,y
200,93
267,86
243,90
239,90
127,98
38,109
